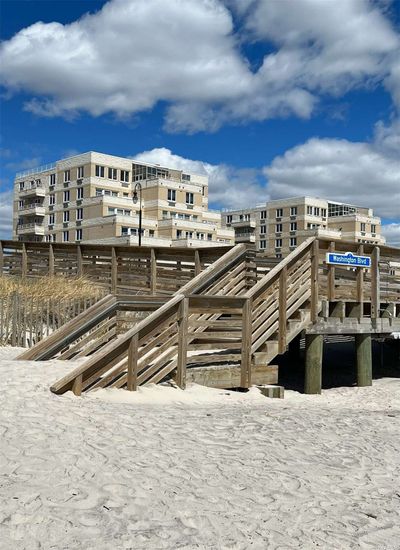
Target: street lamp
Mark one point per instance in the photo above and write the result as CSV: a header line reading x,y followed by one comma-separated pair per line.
x,y
135,199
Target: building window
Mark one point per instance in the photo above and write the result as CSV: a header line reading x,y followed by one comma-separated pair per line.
x,y
79,213
65,236
278,243
263,229
323,212
293,210
52,179
99,171
66,216
81,170
279,212
79,193
293,241
278,256
309,210
67,175
21,185
263,215
373,228
278,228
52,200
20,204
112,173
124,175
189,198
316,211
209,236
51,219
78,235
185,177
66,196
363,227
171,195
178,233
263,244
151,232
229,219
293,226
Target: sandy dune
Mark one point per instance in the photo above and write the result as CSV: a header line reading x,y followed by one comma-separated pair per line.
x,y
208,470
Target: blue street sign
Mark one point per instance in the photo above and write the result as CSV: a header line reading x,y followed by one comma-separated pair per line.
x,y
348,259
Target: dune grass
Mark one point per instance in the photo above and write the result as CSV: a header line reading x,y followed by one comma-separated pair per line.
x,y
57,287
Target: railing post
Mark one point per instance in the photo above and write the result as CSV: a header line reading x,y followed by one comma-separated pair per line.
x,y
183,328
331,276
114,271
79,263
375,283
245,363
133,363
24,265
282,309
1,259
197,263
314,280
360,283
153,272
51,260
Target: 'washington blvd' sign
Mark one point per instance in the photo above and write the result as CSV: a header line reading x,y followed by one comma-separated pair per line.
x,y
348,259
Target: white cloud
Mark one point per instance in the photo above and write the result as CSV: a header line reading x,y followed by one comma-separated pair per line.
x,y
354,172
134,53
6,211
229,187
392,233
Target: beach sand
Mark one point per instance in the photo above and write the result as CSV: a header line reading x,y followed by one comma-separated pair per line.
x,y
201,469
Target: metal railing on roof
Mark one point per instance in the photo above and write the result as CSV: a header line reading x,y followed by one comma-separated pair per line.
x,y
36,170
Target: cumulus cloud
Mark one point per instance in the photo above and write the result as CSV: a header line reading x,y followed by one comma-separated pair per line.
x,y
134,53
392,233
229,187
354,172
6,211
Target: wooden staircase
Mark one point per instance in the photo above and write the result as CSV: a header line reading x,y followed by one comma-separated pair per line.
x,y
233,315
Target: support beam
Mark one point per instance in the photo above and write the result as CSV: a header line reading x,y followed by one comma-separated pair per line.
x,y
375,283
79,263
197,263
313,363
282,309
114,270
314,280
153,272
51,261
245,363
331,276
24,260
360,283
133,352
364,359
1,259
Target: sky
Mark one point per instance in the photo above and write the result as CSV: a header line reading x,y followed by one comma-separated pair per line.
x,y
269,98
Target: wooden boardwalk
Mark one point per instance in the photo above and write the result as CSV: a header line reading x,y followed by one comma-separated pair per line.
x,y
237,312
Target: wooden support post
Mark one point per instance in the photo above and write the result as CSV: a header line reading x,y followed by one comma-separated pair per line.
x,y
79,263
375,284
314,280
183,329
364,359
153,272
77,385
245,363
114,271
133,363
360,283
313,363
282,309
197,263
24,260
1,259
51,260
331,276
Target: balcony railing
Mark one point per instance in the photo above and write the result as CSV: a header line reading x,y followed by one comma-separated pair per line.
x,y
34,228
31,209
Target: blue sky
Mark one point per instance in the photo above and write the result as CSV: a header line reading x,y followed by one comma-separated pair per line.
x,y
271,98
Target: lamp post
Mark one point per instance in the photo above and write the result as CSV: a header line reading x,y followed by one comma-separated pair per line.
x,y
135,199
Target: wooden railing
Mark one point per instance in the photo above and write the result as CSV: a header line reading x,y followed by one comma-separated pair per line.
x,y
120,269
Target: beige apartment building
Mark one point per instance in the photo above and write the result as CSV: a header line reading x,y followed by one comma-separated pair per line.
x,y
278,226
88,198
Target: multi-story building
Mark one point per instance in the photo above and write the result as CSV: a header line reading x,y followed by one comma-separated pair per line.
x,y
89,198
279,226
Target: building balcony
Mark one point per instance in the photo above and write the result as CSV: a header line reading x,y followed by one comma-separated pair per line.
x,y
31,210
33,191
245,238
238,224
187,224
30,228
